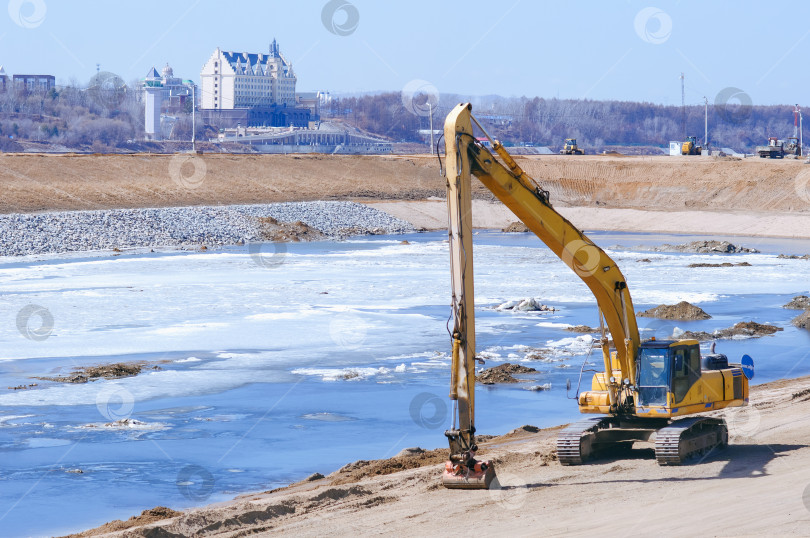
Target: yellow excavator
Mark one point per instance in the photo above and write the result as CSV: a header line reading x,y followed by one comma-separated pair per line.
x,y
645,388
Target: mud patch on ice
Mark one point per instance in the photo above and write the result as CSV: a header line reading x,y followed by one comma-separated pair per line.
x,y
503,374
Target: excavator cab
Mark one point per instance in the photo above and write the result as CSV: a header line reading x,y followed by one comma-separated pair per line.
x,y
666,367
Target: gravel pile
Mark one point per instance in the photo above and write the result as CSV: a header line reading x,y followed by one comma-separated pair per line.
x,y
24,234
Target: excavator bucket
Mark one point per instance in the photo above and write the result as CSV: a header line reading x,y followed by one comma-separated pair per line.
x,y
460,477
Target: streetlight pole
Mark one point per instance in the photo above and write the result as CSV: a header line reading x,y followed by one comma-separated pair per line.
x,y
706,124
193,117
430,109
801,143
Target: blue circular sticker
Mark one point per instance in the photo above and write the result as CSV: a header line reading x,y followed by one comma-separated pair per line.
x,y
747,364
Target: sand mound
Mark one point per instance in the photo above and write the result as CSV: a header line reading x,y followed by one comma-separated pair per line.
x,y
707,247
800,302
106,371
516,227
681,311
273,230
147,516
364,468
581,329
802,321
503,373
745,329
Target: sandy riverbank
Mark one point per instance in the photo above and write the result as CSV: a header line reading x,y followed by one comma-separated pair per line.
x,y
758,486
432,215
728,196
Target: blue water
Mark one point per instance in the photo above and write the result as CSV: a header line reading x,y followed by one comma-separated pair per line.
x,y
338,353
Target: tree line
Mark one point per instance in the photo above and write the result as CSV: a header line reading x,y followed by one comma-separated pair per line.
x,y
76,117
597,125
101,119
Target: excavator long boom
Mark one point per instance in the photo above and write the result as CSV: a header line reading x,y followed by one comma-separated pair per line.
x,y
674,382
512,186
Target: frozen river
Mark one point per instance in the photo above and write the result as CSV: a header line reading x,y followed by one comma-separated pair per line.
x,y
275,365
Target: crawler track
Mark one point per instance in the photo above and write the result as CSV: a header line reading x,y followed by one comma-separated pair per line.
x,y
688,437
571,450
675,442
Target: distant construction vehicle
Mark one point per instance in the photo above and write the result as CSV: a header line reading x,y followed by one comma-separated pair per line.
x,y
775,149
793,147
691,147
570,148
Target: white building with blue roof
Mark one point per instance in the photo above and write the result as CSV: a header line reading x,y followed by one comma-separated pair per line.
x,y
234,80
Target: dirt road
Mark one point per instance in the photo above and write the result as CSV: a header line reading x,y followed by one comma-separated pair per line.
x,y
758,486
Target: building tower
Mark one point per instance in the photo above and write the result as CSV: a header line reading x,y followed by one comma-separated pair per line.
x,y
153,95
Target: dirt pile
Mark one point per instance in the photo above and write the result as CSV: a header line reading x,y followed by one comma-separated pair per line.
x,y
803,320
724,264
745,329
273,230
147,516
105,371
503,373
516,227
581,329
682,311
800,302
361,469
706,247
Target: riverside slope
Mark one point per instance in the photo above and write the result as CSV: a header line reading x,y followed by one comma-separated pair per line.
x,y
758,486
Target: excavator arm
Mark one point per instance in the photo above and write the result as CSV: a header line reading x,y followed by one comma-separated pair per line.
x,y
514,188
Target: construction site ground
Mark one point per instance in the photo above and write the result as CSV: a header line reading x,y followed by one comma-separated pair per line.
x,y
758,486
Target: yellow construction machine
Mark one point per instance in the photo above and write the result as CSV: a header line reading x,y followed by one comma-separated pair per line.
x,y
570,148
645,388
690,146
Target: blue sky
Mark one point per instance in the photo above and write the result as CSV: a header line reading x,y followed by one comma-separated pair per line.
x,y
600,50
